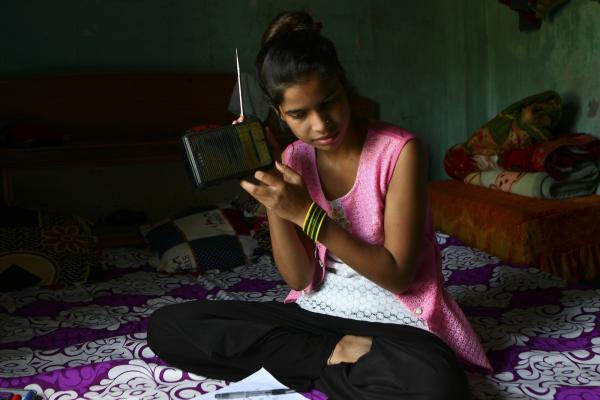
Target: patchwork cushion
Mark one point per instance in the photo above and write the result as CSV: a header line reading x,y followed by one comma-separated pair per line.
x,y
198,239
255,215
44,248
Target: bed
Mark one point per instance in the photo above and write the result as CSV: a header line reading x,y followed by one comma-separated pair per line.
x,y
89,341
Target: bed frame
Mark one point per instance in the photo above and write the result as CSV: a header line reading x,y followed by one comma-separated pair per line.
x,y
109,118
115,119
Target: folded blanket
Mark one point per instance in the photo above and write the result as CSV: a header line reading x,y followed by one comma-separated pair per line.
x,y
458,163
556,157
582,181
520,125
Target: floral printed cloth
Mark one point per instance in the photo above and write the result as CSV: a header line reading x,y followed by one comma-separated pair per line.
x,y
558,157
518,151
519,126
45,248
89,341
582,181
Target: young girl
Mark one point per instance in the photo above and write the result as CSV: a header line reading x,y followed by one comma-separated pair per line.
x,y
351,232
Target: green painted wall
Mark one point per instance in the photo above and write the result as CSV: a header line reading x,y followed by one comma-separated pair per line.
x,y
408,56
563,55
439,68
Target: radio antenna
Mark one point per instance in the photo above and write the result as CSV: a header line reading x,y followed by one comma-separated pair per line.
x,y
237,63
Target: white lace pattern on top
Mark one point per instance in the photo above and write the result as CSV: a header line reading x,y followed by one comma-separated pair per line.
x,y
347,294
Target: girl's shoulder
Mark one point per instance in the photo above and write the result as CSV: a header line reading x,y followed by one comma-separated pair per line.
x,y
385,138
297,145
386,130
298,155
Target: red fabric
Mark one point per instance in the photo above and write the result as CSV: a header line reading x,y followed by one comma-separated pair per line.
x,y
458,163
557,157
528,14
518,159
236,220
519,126
202,127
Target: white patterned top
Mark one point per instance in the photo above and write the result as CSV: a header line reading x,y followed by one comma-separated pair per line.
x,y
347,294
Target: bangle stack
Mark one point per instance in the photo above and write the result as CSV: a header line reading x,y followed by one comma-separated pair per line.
x,y
313,221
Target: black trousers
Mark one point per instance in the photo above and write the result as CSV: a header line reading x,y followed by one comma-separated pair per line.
x,y
232,339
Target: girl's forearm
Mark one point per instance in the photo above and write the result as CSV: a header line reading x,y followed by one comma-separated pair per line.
x,y
293,253
374,262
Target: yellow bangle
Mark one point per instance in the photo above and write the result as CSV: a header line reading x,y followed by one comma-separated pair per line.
x,y
307,214
319,225
313,221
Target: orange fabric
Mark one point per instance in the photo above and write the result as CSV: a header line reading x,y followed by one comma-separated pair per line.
x,y
561,237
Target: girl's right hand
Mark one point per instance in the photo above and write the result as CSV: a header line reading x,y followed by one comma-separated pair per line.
x,y
282,191
239,119
275,146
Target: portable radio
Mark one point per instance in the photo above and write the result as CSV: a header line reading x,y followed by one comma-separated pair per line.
x,y
228,152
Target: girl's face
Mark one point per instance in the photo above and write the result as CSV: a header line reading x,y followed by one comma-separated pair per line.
x,y
317,112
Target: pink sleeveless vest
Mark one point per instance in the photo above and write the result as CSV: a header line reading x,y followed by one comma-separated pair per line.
x,y
364,205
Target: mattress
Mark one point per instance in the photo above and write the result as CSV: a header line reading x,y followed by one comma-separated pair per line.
x,y
561,237
89,341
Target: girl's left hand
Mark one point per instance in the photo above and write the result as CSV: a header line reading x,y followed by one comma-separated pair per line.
x,y
284,193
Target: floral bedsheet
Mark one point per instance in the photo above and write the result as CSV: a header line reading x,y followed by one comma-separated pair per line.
x,y
89,341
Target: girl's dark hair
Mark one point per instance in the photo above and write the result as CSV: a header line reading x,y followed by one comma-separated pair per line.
x,y
292,48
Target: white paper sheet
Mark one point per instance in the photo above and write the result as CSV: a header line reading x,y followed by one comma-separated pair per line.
x,y
260,380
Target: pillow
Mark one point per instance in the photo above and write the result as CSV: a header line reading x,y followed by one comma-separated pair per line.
x,y
44,248
520,125
255,215
199,239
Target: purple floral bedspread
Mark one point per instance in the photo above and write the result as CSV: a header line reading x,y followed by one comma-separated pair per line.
x,y
89,341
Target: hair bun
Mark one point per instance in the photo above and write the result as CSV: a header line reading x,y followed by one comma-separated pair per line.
x,y
290,21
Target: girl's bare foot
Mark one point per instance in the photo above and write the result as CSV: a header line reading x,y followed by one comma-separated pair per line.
x,y
349,349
